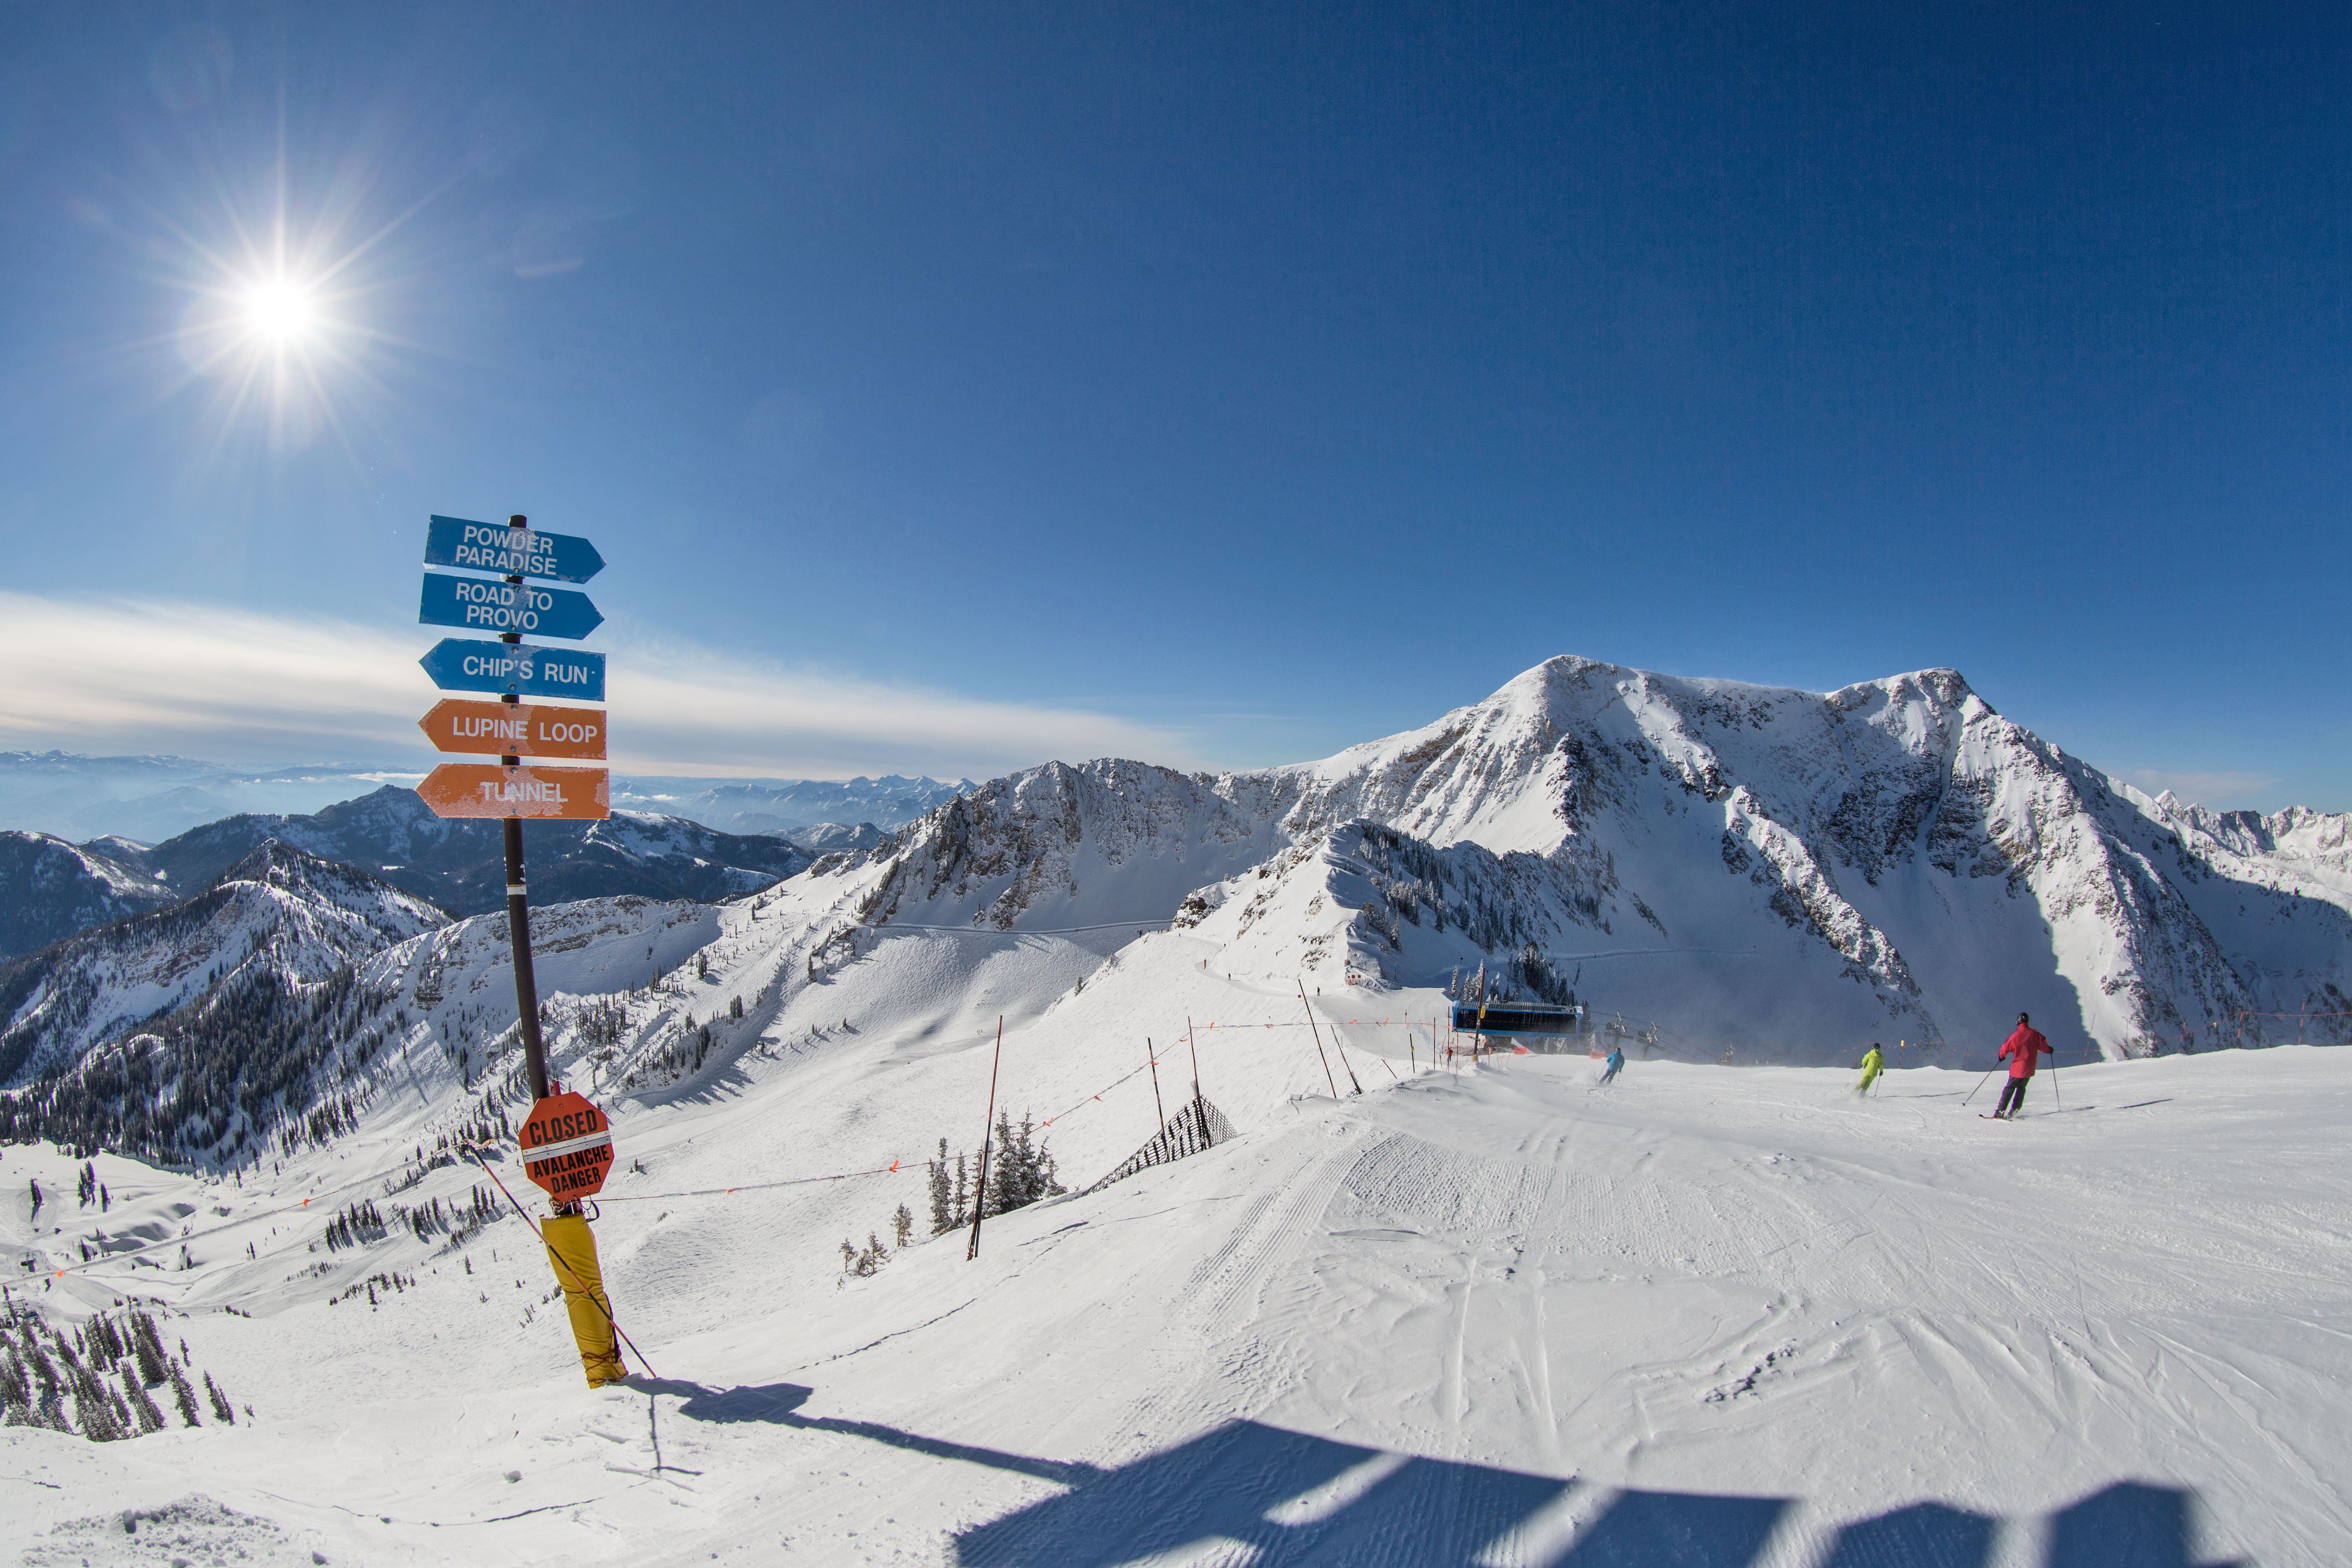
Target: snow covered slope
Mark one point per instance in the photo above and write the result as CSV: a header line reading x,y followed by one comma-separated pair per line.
x,y
1722,1316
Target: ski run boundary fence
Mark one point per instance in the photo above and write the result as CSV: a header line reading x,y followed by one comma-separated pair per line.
x,y
1196,1129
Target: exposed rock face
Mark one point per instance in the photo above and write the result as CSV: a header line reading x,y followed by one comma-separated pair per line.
x,y
1107,841
1790,873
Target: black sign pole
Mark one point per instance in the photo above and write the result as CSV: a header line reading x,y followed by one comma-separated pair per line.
x,y
534,1052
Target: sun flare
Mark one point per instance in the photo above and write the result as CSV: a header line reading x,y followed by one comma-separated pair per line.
x,y
280,309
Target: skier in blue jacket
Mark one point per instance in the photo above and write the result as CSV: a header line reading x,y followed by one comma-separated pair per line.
x,y
1613,1065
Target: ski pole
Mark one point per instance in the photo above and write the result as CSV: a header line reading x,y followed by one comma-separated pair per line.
x,y
1980,1083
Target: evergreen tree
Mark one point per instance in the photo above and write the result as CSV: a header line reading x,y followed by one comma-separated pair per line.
x,y
93,1413
148,1347
185,1397
221,1406
942,1214
902,1226
962,1191
1021,1171
143,1408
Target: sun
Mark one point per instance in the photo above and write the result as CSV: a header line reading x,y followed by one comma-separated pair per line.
x,y
279,310
283,327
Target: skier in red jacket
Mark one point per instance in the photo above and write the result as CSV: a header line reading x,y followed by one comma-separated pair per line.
x,y
2023,1049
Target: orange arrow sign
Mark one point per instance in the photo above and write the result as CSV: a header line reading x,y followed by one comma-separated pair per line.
x,y
486,789
516,729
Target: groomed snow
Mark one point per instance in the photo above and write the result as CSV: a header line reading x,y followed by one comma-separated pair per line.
x,y
1711,1315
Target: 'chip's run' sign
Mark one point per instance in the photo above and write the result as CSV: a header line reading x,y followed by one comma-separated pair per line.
x,y
567,1146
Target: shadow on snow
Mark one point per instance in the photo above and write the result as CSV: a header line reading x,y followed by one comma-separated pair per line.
x,y
1272,1496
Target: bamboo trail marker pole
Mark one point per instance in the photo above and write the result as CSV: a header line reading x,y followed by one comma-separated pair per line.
x,y
1199,1107
1156,1104
1338,1043
1319,1051
1335,1043
979,1188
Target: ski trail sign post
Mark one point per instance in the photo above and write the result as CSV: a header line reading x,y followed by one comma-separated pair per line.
x,y
515,728
567,1143
482,789
514,671
487,604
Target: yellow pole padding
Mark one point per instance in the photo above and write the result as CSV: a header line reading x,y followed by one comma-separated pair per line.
x,y
572,1248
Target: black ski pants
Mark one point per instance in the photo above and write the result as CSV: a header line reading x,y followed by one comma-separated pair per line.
x,y
2013,1096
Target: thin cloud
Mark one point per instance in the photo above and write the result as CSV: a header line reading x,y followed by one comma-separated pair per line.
x,y
118,675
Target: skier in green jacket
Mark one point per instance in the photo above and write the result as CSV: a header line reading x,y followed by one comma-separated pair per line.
x,y
1872,1062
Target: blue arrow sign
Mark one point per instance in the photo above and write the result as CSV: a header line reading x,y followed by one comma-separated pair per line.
x,y
458,665
487,604
510,551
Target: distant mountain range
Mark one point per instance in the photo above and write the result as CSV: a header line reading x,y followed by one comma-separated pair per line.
x,y
49,889
148,798
788,805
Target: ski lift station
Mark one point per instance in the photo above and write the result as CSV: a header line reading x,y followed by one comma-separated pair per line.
x,y
1538,1026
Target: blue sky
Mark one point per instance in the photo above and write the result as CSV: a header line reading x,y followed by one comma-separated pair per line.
x,y
963,385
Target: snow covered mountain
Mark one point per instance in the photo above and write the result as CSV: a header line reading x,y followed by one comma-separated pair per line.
x,y
824,838
1784,874
50,889
172,1031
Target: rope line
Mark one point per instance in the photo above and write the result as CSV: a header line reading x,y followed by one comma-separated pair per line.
x,y
1097,1094
889,1170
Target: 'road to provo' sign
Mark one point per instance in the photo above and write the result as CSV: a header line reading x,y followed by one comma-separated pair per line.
x,y
567,1146
489,789
515,728
487,604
